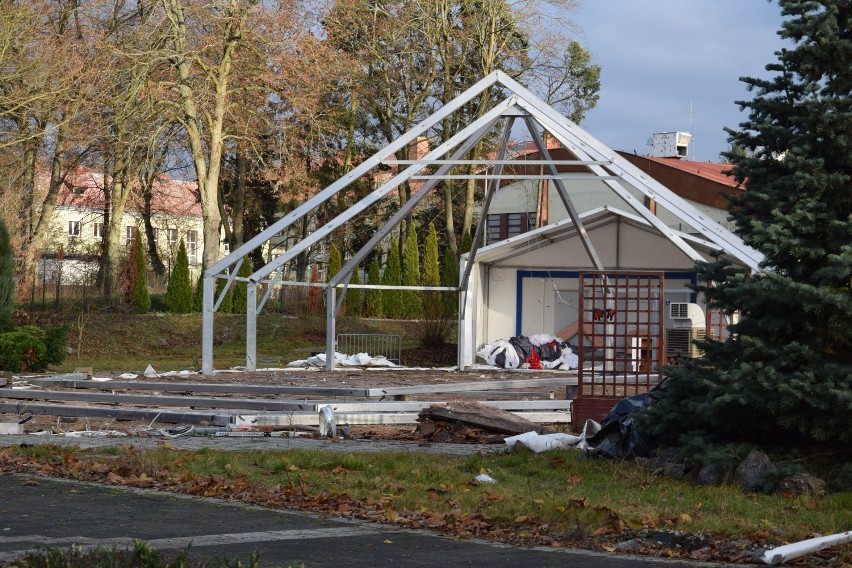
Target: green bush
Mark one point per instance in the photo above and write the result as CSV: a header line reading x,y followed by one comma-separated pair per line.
x,y
179,290
31,348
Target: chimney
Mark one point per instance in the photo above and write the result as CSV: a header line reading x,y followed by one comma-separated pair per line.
x,y
670,144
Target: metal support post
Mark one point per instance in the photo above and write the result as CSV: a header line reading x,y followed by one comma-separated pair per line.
x,y
209,283
251,326
330,320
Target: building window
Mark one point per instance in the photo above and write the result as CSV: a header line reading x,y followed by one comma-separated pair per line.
x,y
130,235
192,246
173,239
156,234
73,228
99,230
504,225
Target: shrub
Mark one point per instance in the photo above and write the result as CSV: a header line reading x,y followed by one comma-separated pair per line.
x,y
373,297
392,299
412,300
179,291
31,348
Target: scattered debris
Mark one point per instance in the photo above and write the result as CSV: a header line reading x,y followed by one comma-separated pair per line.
x,y
484,478
534,352
344,360
327,422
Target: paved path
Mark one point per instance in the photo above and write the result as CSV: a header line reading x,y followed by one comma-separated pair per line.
x,y
37,512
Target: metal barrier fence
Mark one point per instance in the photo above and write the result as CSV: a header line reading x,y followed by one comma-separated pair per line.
x,y
387,344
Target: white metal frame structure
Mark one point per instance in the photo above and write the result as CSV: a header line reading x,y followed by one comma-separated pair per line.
x,y
601,162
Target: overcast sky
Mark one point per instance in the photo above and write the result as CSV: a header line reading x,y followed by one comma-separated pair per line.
x,y
658,55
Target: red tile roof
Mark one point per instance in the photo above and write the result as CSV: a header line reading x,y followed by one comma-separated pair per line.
x,y
85,188
707,170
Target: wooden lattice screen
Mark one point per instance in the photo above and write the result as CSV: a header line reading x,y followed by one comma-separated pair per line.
x,y
621,339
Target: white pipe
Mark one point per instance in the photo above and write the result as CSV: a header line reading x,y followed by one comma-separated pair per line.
x,y
790,551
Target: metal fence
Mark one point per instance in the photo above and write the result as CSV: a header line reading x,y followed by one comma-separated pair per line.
x,y
387,344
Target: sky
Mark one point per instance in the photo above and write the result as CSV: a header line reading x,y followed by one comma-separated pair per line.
x,y
658,55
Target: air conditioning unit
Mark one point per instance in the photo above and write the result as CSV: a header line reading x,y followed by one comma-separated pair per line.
x,y
679,342
686,315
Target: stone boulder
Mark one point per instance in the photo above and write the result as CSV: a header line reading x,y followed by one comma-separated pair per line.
x,y
752,472
711,474
802,484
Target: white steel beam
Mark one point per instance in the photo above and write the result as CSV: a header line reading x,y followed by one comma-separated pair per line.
x,y
594,149
363,168
379,193
566,199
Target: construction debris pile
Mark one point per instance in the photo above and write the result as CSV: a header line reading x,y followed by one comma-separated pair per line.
x,y
540,351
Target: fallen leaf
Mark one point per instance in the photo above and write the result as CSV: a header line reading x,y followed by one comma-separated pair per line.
x,y
30,482
599,531
339,469
387,541
292,467
684,518
522,519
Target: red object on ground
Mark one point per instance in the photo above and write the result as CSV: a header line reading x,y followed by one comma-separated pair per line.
x,y
533,360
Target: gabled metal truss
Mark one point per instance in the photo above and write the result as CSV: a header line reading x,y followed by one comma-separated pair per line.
x,y
602,163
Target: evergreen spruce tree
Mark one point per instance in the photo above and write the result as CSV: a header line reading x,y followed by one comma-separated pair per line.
x,y
334,262
784,376
140,299
466,243
373,297
433,304
412,300
450,277
198,293
353,297
7,279
392,299
179,291
240,297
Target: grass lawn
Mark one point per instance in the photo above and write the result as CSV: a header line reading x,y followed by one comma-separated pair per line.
x,y
556,498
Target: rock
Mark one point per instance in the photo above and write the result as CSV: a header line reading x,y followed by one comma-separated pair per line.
x,y
752,471
673,469
802,484
626,545
710,474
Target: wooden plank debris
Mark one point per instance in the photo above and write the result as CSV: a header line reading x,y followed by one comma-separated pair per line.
x,y
480,416
476,386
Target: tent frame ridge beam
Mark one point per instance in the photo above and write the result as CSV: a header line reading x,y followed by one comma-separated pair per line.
x,y
566,199
483,216
517,162
556,176
378,194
